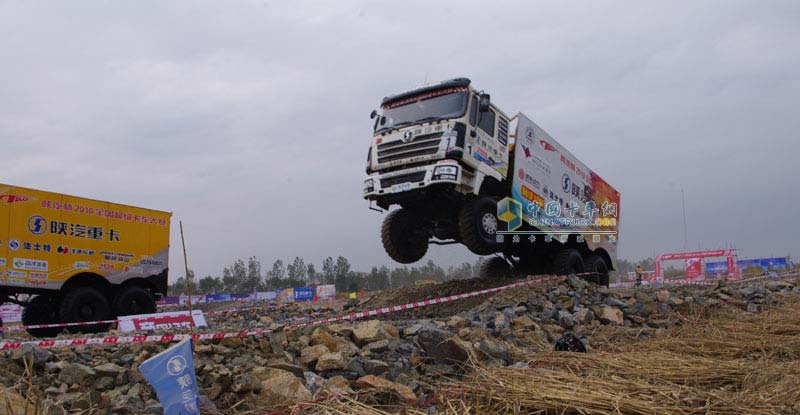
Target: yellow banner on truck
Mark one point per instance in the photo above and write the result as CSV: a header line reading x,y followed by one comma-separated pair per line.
x,y
47,238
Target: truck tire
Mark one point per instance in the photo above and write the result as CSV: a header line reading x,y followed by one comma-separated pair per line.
x,y
85,304
134,300
495,267
595,263
477,226
404,237
568,261
41,310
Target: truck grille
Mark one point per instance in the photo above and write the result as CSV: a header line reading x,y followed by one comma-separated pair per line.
x,y
411,177
420,145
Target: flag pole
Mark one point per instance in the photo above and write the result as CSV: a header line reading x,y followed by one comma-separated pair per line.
x,y
188,285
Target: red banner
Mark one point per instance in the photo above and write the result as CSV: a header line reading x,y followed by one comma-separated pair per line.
x,y
167,320
694,268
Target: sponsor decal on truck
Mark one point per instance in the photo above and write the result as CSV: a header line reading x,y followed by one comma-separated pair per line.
x,y
29,264
573,198
57,236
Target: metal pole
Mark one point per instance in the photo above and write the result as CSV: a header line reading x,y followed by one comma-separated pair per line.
x,y
685,238
188,285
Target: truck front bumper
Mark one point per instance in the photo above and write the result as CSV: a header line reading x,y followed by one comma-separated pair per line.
x,y
378,185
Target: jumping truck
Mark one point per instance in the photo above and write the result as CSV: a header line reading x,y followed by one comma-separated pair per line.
x,y
462,171
68,259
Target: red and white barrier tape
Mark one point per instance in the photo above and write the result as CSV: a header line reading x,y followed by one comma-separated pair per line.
x,y
425,303
113,321
165,338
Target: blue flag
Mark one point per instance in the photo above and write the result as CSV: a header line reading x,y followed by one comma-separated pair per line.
x,y
171,374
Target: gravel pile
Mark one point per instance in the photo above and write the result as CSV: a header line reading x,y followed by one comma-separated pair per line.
x,y
401,358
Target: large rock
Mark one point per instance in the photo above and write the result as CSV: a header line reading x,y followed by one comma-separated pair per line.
x,y
221,375
379,346
231,342
373,330
24,353
247,382
344,330
523,322
283,365
109,369
314,382
662,296
376,367
311,354
336,385
332,361
346,346
283,386
320,336
76,374
374,382
438,343
494,348
126,404
566,319
457,322
501,322
610,315
583,316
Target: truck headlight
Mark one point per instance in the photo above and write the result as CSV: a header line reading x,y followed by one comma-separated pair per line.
x,y
369,185
445,173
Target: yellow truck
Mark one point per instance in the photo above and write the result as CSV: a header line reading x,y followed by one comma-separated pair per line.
x,y
70,259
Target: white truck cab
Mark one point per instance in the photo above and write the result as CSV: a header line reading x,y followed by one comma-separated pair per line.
x,y
445,134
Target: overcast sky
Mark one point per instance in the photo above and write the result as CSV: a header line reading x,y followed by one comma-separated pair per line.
x,y
249,120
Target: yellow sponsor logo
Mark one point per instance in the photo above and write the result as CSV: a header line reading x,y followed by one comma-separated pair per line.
x,y
532,196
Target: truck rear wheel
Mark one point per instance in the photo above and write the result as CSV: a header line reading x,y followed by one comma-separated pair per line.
x,y
477,225
404,236
568,261
597,265
495,267
85,304
41,309
134,300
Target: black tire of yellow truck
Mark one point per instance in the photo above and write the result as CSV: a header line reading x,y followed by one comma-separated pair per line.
x,y
134,300
41,309
85,304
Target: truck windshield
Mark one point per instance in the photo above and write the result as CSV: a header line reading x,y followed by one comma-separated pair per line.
x,y
410,111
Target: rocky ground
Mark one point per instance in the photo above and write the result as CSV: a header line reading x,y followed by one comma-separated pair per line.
x,y
401,359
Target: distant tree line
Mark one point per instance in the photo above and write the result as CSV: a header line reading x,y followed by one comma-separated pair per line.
x,y
245,277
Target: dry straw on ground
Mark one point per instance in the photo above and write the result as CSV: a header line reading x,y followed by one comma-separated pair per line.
x,y
732,363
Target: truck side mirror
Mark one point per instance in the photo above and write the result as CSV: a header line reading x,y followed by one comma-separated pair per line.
x,y
484,102
373,114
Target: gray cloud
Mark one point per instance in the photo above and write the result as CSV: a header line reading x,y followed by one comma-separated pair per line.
x,y
249,121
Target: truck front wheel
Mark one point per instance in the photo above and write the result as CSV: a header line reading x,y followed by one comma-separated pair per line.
x,y
85,304
404,236
134,300
41,309
477,225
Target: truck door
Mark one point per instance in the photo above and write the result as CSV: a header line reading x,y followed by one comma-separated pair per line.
x,y
486,144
